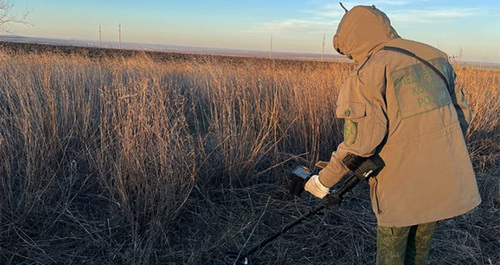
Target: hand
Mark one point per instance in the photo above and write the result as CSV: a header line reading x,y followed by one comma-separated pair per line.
x,y
316,188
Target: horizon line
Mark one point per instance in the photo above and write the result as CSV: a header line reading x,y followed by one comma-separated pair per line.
x,y
156,47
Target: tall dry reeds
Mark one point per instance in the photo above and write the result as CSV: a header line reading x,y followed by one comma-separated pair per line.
x,y
113,160
482,88
82,137
254,116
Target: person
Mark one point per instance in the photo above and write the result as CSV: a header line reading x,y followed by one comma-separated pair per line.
x,y
403,103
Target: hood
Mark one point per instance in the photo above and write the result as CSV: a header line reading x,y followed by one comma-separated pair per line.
x,y
361,31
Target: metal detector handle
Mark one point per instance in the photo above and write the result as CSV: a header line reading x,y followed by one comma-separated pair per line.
x,y
363,168
336,198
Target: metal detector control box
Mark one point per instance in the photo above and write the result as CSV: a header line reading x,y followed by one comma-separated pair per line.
x,y
300,175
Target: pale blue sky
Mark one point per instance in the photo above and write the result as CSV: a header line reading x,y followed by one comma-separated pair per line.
x,y
471,28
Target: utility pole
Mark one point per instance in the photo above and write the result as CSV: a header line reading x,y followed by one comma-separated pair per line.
x,y
323,49
119,35
271,48
100,39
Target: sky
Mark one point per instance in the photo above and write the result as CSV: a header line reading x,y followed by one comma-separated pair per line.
x,y
468,30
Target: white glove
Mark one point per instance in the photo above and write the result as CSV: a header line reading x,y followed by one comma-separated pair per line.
x,y
316,188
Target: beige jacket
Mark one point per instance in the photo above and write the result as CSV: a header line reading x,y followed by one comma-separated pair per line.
x,y
394,105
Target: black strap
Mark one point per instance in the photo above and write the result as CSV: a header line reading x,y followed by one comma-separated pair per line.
x,y
409,53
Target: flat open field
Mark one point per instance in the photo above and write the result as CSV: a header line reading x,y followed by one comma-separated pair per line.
x,y
123,157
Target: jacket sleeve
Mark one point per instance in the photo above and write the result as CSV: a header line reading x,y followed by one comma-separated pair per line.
x,y
464,112
362,106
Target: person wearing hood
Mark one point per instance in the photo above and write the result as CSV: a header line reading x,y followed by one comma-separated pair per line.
x,y
403,103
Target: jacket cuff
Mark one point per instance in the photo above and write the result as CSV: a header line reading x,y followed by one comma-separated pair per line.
x,y
333,173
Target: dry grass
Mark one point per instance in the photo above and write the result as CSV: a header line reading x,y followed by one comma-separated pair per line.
x,y
135,160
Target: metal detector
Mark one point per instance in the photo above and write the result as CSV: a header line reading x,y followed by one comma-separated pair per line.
x,y
363,168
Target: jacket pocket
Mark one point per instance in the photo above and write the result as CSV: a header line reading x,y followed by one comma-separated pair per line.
x,y
351,111
352,114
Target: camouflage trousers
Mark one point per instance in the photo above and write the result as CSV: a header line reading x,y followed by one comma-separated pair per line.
x,y
404,245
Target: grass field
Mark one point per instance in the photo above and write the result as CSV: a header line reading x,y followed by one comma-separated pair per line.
x,y
142,158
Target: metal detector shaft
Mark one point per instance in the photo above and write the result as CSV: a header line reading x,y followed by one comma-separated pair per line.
x,y
332,199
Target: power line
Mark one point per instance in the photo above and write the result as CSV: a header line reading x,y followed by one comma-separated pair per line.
x,y
100,35
119,35
271,49
323,49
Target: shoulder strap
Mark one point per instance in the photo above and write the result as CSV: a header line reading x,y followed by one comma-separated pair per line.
x,y
409,53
